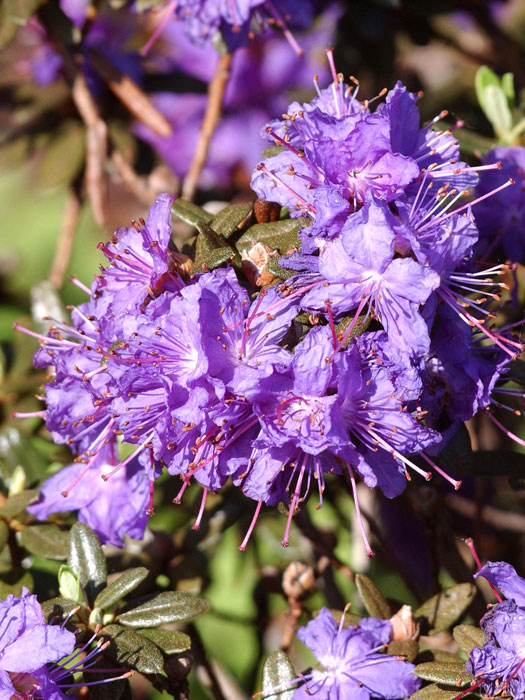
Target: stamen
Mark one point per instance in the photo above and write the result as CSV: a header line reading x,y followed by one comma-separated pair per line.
x,y
369,551
197,523
242,546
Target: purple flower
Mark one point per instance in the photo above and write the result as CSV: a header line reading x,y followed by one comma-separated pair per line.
x,y
141,266
234,18
31,653
500,218
499,665
359,271
112,509
261,76
350,661
23,630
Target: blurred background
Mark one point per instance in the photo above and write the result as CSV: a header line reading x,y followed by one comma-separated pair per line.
x,y
91,131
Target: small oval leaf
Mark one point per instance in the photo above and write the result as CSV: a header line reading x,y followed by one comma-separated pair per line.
x,y
408,648
434,692
87,559
163,608
169,641
280,235
47,541
190,213
12,582
278,677
129,648
444,608
57,607
375,602
120,587
439,672
229,219
468,637
17,504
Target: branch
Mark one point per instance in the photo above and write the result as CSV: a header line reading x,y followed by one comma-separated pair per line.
x,y
212,116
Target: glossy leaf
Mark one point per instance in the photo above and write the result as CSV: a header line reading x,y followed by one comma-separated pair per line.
x,y
374,601
280,235
57,607
166,607
439,672
129,648
16,449
86,559
120,587
190,213
278,673
434,692
47,541
168,641
444,608
228,220
468,637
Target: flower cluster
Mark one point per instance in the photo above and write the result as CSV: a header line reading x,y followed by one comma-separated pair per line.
x,y
213,385
236,21
38,660
498,666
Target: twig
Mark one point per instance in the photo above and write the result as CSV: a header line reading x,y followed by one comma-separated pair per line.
x,y
129,93
144,189
212,116
65,239
499,519
96,147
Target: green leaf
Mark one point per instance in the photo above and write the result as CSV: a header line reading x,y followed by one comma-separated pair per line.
x,y
497,110
12,582
484,77
64,158
280,235
169,641
468,637
444,608
278,673
228,220
129,648
408,648
17,504
87,559
120,587
449,674
163,608
190,213
274,268
4,534
57,608
507,85
47,541
272,151
434,692
212,250
16,449
69,585
375,602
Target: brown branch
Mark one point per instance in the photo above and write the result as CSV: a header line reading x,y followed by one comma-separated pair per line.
x,y
65,239
144,188
499,519
129,93
211,119
96,147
